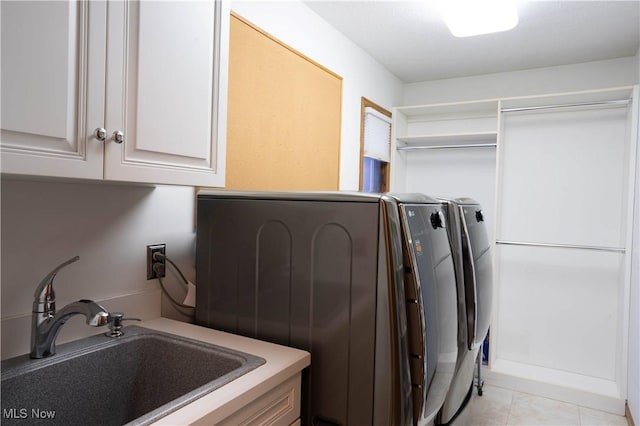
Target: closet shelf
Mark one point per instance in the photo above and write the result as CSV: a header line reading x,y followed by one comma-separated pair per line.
x,y
448,140
452,110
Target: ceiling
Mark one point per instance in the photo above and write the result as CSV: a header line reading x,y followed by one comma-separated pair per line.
x,y
410,39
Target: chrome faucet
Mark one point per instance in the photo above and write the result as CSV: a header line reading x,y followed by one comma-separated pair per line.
x,y
46,322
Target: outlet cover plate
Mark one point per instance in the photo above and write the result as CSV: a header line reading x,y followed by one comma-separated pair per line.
x,y
151,249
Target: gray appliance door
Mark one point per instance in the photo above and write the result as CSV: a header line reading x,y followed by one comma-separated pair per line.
x,y
301,273
477,259
432,314
454,231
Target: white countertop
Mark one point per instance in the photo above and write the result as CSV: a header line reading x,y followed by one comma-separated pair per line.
x,y
281,363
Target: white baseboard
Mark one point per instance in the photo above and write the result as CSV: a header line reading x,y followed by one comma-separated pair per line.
x,y
585,391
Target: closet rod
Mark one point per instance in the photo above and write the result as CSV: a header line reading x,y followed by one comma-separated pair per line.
x,y
571,246
533,108
471,145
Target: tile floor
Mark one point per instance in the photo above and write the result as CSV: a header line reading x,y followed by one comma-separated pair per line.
x,y
499,406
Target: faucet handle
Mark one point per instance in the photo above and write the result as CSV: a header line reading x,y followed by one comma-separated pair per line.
x,y
51,275
115,324
44,298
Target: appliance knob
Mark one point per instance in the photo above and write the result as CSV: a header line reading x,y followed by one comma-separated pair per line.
x,y
479,216
436,220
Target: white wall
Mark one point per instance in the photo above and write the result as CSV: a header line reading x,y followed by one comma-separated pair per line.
x,y
566,78
109,227
298,26
633,385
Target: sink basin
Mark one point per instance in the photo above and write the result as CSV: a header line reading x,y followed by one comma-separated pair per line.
x,y
134,379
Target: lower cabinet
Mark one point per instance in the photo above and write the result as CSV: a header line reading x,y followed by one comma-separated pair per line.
x,y
278,407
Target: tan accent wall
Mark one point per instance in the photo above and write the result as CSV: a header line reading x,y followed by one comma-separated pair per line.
x,y
284,116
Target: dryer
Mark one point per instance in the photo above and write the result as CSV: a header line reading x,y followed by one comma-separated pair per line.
x,y
471,250
365,282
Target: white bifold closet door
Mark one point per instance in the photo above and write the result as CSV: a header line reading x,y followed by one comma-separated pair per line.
x,y
561,235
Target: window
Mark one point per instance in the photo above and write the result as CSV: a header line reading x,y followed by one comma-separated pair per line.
x,y
375,142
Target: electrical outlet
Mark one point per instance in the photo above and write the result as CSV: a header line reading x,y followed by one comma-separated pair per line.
x,y
151,249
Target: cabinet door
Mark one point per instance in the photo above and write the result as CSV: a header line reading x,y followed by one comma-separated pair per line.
x,y
280,406
53,83
166,91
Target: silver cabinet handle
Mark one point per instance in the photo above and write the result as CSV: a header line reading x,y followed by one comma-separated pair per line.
x,y
101,134
118,136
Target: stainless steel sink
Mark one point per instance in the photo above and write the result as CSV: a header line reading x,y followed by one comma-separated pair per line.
x,y
134,379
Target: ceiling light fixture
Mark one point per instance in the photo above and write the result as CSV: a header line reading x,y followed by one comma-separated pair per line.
x,y
467,18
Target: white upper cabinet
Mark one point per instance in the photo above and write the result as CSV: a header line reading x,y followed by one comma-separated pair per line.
x,y
154,72
165,92
53,76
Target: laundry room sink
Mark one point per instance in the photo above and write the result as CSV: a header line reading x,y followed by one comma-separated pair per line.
x,y
134,379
